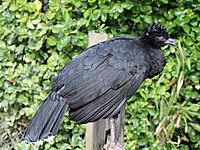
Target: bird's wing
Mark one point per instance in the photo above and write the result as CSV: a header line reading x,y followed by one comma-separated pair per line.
x,y
109,103
99,81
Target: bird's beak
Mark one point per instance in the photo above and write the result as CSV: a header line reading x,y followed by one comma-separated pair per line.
x,y
171,42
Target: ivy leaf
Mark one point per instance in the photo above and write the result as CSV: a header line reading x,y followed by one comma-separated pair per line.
x,y
186,28
51,41
66,15
37,5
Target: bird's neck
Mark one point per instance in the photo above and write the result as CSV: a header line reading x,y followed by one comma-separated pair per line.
x,y
156,62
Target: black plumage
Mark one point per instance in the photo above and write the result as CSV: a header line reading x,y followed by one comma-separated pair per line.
x,y
97,83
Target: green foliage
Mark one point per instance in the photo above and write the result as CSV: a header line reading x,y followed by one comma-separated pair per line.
x,y
34,46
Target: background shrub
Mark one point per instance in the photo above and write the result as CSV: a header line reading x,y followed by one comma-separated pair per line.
x,y
35,45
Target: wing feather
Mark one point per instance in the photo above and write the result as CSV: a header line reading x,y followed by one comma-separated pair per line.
x,y
108,104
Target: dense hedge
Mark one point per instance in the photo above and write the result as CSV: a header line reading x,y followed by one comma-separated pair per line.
x,y
34,46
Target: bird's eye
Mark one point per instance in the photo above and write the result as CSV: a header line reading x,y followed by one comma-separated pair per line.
x,y
161,39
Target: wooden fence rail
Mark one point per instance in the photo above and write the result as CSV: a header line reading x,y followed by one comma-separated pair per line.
x,y
96,132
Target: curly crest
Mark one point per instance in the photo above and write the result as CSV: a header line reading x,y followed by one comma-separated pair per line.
x,y
155,28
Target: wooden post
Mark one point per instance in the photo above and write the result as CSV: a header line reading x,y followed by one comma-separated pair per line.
x,y
96,132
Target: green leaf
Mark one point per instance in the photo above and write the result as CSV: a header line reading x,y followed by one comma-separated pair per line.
x,y
186,28
13,7
66,15
77,3
28,58
152,112
95,14
39,45
103,17
37,5
188,63
51,41
143,141
30,25
62,43
2,44
91,1
165,1
195,126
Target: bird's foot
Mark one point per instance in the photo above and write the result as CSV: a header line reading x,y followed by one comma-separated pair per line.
x,y
113,146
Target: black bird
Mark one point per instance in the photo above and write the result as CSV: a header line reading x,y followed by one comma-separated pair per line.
x,y
97,83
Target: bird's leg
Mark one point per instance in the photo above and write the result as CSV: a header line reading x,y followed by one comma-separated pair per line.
x,y
112,143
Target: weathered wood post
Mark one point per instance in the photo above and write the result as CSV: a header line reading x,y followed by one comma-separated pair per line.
x,y
96,132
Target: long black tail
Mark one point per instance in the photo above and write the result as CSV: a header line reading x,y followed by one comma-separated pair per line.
x,y
46,120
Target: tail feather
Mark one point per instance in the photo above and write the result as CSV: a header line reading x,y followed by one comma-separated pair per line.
x,y
54,119
59,119
47,119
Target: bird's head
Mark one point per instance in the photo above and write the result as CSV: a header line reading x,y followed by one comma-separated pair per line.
x,y
157,36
